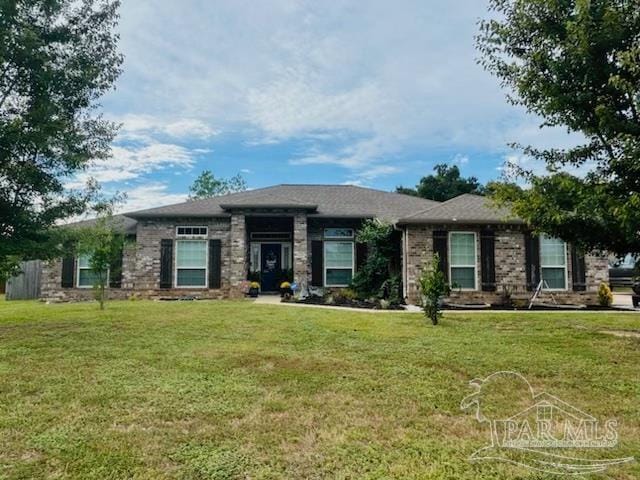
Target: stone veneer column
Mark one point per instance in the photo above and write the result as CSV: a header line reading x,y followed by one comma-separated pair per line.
x,y
300,254
238,271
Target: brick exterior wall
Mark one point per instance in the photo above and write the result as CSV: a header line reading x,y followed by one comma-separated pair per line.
x,y
509,266
141,264
239,256
51,281
301,247
141,261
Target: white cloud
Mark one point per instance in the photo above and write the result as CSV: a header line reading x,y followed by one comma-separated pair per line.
x,y
367,159
149,196
358,81
378,171
460,159
128,163
144,127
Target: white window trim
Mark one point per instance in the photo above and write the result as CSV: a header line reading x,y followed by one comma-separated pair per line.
x,y
346,237
475,259
565,266
284,245
78,268
253,268
192,237
206,265
324,261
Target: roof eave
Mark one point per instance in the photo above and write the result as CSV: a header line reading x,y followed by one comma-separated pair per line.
x,y
457,221
340,215
178,215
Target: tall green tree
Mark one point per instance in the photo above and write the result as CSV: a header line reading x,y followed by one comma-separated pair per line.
x,y
444,185
576,64
206,185
57,57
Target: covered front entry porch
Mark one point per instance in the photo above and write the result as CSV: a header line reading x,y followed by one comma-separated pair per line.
x,y
270,245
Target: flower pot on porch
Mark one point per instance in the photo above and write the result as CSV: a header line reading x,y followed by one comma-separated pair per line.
x,y
254,289
286,291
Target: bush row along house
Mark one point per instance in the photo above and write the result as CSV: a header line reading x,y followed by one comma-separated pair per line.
x,y
209,248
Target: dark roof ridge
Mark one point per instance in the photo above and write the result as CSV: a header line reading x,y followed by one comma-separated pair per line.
x,y
201,200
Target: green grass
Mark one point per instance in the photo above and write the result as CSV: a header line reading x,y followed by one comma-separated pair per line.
x,y
204,390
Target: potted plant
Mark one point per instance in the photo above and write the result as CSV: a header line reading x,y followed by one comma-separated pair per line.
x,y
254,289
285,289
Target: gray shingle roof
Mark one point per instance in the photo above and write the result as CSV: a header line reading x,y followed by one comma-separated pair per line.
x,y
332,201
320,200
465,208
120,222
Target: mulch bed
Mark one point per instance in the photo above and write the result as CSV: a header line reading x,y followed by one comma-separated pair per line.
x,y
365,305
347,303
548,307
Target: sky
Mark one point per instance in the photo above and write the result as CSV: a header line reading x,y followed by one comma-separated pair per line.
x,y
372,93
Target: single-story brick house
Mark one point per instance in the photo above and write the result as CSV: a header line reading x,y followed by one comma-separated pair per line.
x,y
209,248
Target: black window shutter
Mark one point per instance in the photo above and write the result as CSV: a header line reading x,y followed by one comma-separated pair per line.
x,y
532,260
361,255
166,263
68,270
440,240
215,263
488,260
317,263
115,272
578,270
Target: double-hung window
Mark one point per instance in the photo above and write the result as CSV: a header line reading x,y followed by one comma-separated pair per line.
x,y
191,257
553,263
338,257
462,260
86,276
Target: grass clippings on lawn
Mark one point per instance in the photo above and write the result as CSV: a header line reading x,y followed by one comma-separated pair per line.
x,y
204,390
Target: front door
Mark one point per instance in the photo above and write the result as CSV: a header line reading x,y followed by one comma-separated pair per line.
x,y
271,263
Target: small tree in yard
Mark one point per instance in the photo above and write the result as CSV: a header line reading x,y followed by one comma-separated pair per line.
x,y
103,243
433,287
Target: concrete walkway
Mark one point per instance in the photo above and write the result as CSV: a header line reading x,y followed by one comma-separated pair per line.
x,y
275,300
623,300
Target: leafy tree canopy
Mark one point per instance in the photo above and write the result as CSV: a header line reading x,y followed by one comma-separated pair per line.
x,y
444,185
575,63
57,57
378,276
207,185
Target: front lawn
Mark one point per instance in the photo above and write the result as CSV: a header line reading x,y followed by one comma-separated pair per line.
x,y
204,390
